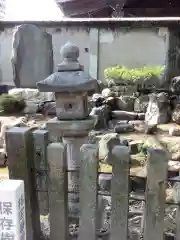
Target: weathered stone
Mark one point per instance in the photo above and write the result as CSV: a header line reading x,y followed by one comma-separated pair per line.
x,y
141,116
57,189
105,182
176,114
124,115
136,122
175,84
158,110
141,104
123,128
20,149
106,144
107,93
102,115
41,141
32,55
150,129
126,103
173,131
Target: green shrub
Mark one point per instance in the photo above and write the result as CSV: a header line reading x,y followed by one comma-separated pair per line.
x,y
11,104
120,73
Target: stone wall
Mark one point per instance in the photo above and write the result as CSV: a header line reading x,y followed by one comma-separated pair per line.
x,y
98,48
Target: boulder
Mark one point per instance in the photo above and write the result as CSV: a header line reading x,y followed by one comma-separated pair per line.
x,y
176,114
141,103
107,93
124,115
32,97
124,128
102,115
158,110
125,103
106,144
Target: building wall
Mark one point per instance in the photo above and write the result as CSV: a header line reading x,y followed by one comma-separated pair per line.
x,y
98,49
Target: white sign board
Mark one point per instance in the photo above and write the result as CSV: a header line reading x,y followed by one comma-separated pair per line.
x,y
12,210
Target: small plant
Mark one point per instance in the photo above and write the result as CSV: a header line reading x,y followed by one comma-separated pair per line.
x,y
130,76
10,104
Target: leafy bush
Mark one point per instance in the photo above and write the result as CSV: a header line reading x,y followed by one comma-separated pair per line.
x,y
120,73
11,104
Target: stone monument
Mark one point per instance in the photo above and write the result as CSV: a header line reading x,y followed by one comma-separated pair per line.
x,y
32,55
73,123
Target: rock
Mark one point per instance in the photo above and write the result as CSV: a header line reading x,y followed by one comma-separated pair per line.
x,y
97,100
134,146
150,129
126,103
20,122
103,115
136,122
32,97
141,103
124,115
105,182
111,102
106,143
176,114
123,128
173,131
32,55
47,108
158,110
141,116
175,84
107,93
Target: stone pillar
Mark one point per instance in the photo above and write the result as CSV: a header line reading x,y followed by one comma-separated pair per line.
x,y
41,169
57,187
19,144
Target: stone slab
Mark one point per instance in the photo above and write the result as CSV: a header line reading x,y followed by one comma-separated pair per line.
x,y
32,55
12,210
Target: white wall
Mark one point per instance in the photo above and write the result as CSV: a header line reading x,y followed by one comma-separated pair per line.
x,y
105,48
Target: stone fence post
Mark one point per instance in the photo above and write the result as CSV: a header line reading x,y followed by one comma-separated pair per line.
x,y
20,150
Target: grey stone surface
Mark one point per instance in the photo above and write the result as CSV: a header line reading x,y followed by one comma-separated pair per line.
x,y
124,115
71,106
41,141
155,194
88,191
58,191
19,144
69,127
123,128
120,192
32,55
102,116
70,76
141,103
158,110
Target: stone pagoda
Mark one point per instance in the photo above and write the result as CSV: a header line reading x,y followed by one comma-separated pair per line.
x,y
71,126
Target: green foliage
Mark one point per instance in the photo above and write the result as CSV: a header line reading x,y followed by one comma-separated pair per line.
x,y
120,73
11,104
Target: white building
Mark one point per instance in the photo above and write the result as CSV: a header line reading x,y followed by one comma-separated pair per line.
x,y
2,8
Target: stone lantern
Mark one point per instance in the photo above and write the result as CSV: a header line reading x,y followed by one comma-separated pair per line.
x,y
70,85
